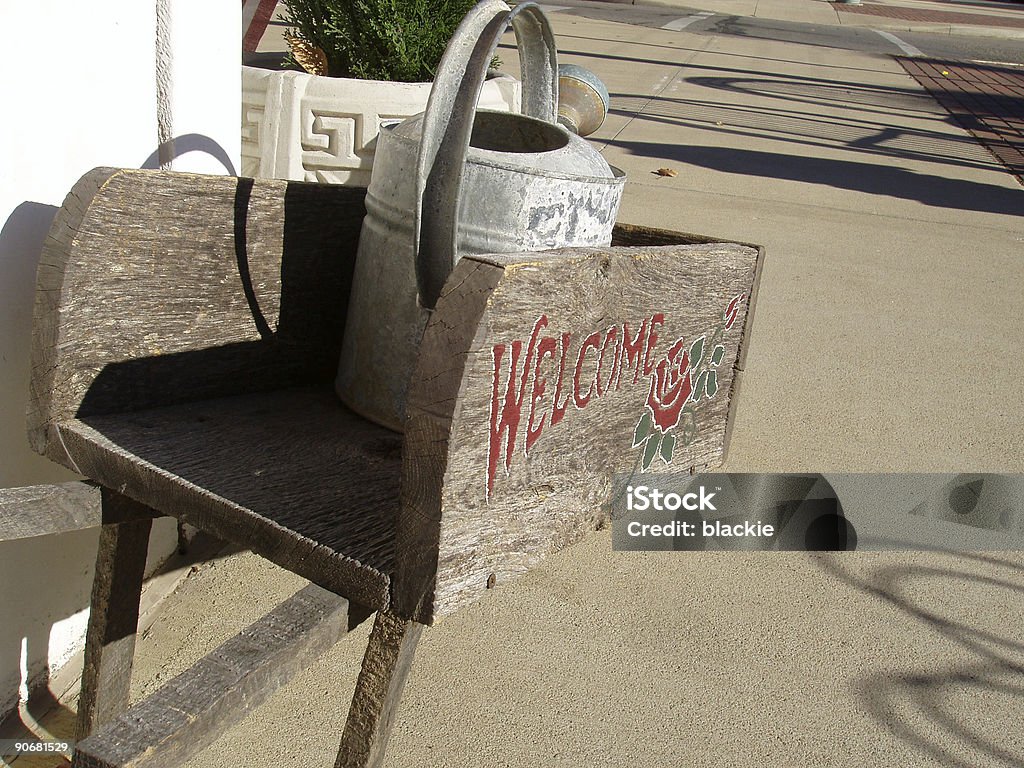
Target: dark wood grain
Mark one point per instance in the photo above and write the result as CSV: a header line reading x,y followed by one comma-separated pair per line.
x,y
386,664
293,475
635,235
39,510
187,332
186,715
157,288
113,618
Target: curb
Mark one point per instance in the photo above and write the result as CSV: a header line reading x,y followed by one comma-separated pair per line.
x,y
945,29
854,19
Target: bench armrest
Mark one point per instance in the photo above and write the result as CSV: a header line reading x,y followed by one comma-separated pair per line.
x,y
537,377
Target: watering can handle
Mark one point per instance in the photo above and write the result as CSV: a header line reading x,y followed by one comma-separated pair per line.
x,y
448,124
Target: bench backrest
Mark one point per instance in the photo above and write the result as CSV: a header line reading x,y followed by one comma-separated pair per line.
x,y
240,285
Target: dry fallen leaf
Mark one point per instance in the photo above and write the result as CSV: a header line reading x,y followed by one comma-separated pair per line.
x,y
309,57
666,172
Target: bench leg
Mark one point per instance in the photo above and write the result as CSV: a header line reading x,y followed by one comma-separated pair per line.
x,y
386,665
114,612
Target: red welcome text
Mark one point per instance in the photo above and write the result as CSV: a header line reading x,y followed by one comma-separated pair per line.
x,y
536,382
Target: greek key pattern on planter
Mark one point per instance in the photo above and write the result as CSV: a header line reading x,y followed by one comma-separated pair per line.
x,y
333,143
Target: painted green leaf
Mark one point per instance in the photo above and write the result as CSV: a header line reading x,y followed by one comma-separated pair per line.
x,y
668,445
718,354
699,386
643,428
696,352
651,450
712,384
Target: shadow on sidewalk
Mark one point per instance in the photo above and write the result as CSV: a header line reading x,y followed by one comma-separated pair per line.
x,y
678,51
929,709
832,112
861,135
871,178
824,106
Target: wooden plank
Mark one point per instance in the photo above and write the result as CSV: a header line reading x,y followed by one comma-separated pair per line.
x,y
429,418
634,234
529,398
40,510
647,237
292,475
748,322
743,344
188,713
386,665
113,617
156,288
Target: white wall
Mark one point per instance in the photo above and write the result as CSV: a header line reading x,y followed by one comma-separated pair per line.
x,y
80,90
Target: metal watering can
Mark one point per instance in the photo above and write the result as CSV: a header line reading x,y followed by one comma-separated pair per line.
x,y
454,181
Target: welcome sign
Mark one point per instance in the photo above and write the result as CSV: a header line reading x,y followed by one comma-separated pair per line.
x,y
533,405
604,361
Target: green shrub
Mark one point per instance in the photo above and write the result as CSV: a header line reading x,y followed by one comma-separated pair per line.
x,y
400,40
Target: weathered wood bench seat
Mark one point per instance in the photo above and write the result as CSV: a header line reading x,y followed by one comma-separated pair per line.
x,y
267,469
187,331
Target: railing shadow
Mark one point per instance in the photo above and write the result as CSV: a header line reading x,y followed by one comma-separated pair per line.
x,y
831,110
884,181
793,127
920,707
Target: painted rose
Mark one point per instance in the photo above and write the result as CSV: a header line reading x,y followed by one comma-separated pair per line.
x,y
671,387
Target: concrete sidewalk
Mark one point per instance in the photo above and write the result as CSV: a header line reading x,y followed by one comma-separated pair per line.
x,y
893,239
888,336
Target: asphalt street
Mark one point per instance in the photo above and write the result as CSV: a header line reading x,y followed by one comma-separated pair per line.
x,y
852,38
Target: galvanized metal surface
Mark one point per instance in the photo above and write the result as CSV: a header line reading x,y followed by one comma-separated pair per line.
x,y
583,99
452,182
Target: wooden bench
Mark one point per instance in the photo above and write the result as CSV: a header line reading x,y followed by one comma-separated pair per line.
x,y
187,330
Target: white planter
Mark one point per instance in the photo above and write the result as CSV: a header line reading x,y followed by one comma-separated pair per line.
x,y
311,128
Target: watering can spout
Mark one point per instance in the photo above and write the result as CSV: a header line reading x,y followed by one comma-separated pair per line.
x,y
582,99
